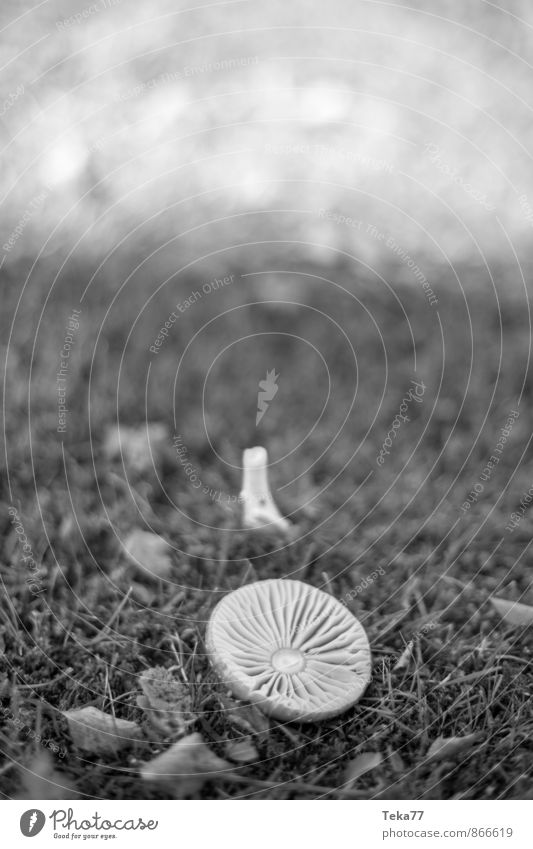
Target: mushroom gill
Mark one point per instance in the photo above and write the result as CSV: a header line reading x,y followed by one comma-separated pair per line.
x,y
290,648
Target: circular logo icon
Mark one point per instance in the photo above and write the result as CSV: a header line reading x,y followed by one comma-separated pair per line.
x,y
32,822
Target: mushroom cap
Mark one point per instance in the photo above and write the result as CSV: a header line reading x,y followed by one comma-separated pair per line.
x,y
291,649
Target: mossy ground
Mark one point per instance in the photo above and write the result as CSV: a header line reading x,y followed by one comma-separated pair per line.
x,y
468,672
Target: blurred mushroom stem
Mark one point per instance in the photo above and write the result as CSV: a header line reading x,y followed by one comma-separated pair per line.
x,y
259,509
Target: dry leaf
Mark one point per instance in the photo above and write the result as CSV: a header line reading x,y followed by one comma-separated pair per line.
x,y
449,747
242,751
361,764
139,447
97,732
142,594
149,553
512,612
395,761
185,767
405,657
42,781
246,717
166,702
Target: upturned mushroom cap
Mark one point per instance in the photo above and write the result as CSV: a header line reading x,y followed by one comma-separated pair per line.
x,y
291,649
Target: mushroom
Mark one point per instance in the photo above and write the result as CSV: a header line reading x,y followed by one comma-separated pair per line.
x,y
291,649
259,509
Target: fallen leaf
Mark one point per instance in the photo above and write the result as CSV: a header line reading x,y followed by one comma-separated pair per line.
x,y
395,761
42,781
361,764
142,594
513,612
405,657
149,553
167,703
185,767
242,751
247,717
139,447
448,747
98,732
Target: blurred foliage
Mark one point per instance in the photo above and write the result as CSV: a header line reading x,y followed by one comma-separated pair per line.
x,y
187,130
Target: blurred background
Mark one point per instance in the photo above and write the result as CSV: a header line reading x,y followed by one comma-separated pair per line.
x,y
186,128
370,161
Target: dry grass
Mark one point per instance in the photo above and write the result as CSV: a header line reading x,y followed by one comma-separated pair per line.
x,y
85,640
